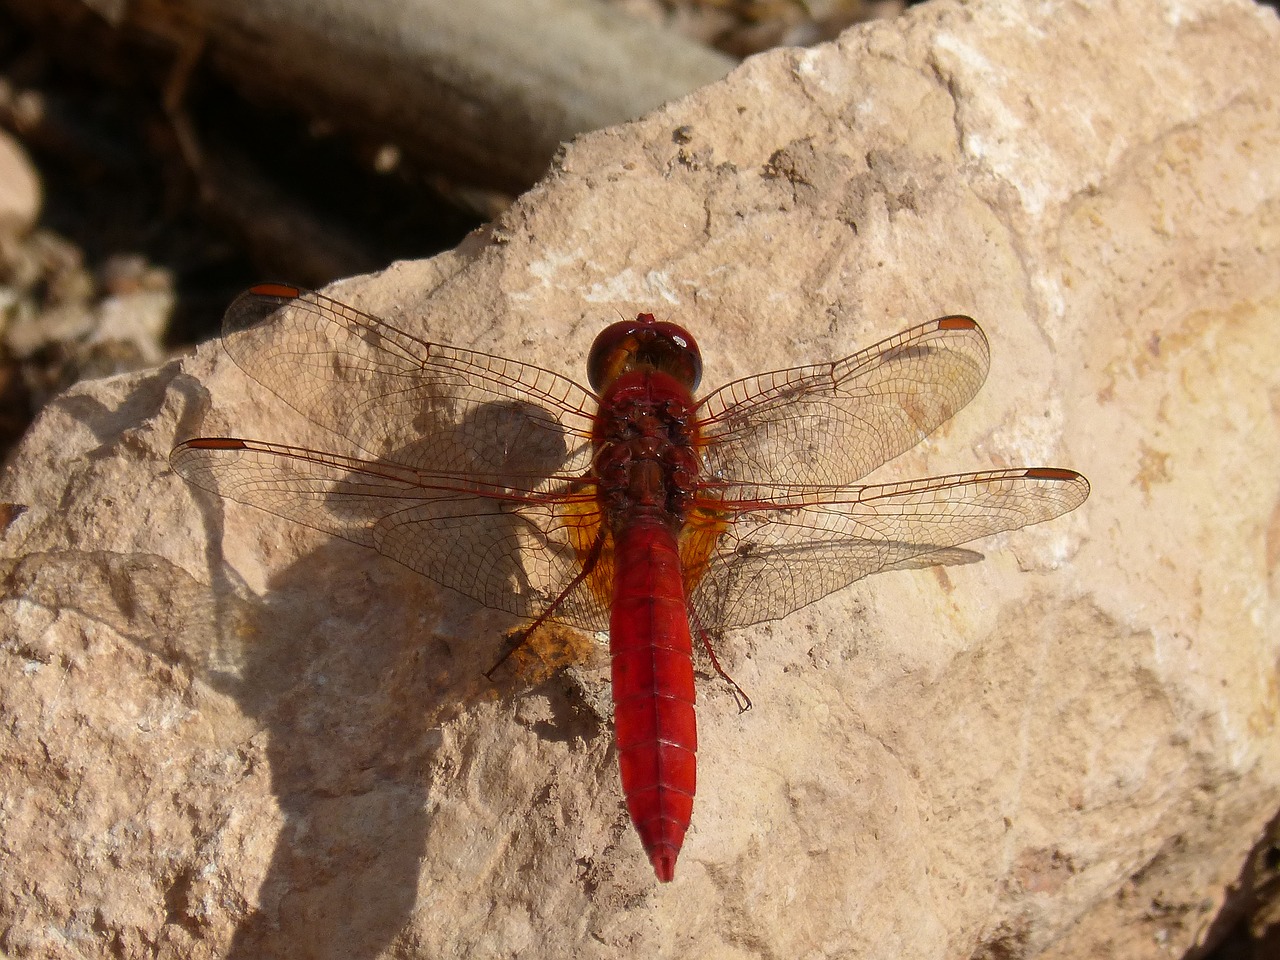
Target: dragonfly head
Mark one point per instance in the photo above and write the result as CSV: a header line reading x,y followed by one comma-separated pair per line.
x,y
644,344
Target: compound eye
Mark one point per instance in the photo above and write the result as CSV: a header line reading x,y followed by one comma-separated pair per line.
x,y
640,344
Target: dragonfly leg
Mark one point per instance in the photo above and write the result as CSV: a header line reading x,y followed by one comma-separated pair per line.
x,y
588,565
739,695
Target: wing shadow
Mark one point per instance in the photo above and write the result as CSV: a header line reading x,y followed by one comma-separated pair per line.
x,y
353,714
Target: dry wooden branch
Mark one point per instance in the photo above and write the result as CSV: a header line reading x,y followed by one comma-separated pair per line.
x,y
485,90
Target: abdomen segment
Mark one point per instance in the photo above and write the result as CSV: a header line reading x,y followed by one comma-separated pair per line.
x,y
653,693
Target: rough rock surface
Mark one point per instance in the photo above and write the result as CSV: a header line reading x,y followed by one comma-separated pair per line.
x,y
19,190
229,736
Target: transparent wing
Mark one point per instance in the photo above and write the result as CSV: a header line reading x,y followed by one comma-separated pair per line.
x,y
395,395
833,423
508,549
478,470
762,553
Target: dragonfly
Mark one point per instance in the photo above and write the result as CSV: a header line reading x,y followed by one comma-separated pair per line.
x,y
627,506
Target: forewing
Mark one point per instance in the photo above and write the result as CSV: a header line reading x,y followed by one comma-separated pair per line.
x,y
833,423
773,554
395,395
509,550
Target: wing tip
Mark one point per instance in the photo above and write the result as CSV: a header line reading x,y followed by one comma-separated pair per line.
x,y
1062,475
255,305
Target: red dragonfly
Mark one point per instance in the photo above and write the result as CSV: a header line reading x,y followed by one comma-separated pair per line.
x,y
629,507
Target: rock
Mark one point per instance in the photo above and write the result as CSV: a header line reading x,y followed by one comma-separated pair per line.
x,y
19,189
233,736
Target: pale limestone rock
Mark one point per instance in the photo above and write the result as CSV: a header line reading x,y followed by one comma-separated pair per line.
x,y
19,189
230,736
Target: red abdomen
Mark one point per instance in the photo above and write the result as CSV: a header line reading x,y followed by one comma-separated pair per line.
x,y
653,693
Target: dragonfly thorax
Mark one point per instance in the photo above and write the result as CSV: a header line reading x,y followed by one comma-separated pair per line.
x,y
645,449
